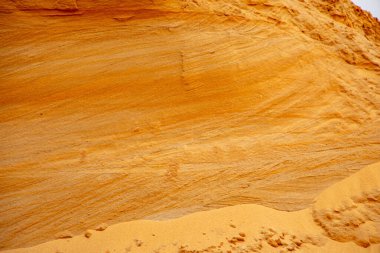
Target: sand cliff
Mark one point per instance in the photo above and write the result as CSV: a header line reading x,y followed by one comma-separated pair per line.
x,y
112,111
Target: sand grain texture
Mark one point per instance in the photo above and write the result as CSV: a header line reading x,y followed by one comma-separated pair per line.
x,y
246,228
113,111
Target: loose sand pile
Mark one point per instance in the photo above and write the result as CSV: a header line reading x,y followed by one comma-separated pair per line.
x,y
344,218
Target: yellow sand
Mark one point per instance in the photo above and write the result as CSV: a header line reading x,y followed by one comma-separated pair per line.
x,y
121,110
243,228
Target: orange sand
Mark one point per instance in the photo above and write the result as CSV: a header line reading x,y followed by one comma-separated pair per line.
x,y
251,228
119,110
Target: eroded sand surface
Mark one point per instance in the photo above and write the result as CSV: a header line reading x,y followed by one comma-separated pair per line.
x,y
112,111
344,218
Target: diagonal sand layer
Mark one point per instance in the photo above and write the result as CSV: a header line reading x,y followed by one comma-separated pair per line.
x,y
251,228
112,111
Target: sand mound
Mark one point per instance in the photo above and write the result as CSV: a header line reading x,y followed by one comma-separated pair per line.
x,y
346,212
350,210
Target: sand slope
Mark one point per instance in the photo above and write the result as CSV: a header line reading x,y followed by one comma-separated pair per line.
x,y
113,111
251,228
350,210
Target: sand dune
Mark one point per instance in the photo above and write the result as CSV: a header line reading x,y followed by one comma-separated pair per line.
x,y
331,225
114,111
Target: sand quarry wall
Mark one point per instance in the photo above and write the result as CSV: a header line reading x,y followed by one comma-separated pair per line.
x,y
126,110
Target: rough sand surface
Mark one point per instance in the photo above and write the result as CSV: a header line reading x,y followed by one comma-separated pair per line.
x,y
248,228
112,111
